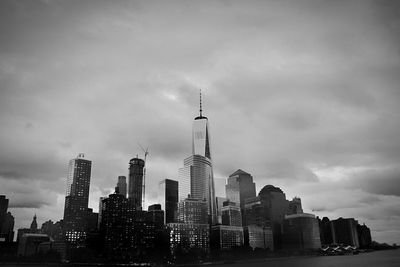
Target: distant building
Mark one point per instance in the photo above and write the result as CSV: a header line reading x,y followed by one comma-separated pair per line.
x,y
7,228
32,230
53,230
77,199
192,211
6,221
239,187
29,244
364,236
295,206
220,202
92,220
231,214
344,231
325,229
122,185
168,198
225,237
135,192
301,231
258,237
155,215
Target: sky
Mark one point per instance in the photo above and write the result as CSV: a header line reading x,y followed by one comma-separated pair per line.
x,y
303,95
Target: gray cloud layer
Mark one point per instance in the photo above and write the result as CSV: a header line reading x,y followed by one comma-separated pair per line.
x,y
303,95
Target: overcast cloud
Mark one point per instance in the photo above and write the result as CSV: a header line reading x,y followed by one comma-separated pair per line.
x,y
303,95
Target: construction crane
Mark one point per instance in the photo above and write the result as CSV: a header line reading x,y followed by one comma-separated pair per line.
x,y
146,152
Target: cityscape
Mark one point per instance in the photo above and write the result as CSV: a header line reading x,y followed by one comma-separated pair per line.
x,y
188,224
224,133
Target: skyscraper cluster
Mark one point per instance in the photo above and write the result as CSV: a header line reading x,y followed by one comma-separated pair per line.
x,y
189,219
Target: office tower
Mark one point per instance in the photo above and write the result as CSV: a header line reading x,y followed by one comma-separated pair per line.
x,y
3,207
6,221
220,202
225,237
168,198
344,231
135,191
364,236
231,214
268,208
122,185
301,231
198,167
325,229
239,187
7,228
295,206
155,215
192,210
77,199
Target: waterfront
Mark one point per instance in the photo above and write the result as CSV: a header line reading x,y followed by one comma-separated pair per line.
x,y
386,258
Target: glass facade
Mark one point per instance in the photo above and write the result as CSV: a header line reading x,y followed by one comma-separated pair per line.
x,y
168,198
77,199
198,170
136,167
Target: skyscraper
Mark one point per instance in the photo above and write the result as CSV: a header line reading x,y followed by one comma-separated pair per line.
x,y
239,187
77,198
168,198
198,167
135,191
122,185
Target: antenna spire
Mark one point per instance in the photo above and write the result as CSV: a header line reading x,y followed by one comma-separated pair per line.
x,y
201,111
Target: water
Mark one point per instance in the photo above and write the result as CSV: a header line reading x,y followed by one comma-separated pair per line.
x,y
387,258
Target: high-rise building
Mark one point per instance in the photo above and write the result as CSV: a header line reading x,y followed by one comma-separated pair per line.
x,y
239,187
198,167
301,231
77,199
192,210
168,198
268,208
122,185
135,191
6,221
231,214
220,203
344,231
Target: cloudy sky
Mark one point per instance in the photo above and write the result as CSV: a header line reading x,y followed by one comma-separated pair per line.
x,y
303,95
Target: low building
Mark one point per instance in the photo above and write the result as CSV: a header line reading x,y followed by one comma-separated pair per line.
x,y
225,237
258,237
185,237
301,231
29,244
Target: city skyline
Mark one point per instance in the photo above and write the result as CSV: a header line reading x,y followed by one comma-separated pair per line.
x,y
303,96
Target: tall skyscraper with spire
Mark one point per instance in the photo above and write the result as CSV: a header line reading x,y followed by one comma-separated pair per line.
x,y
198,167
